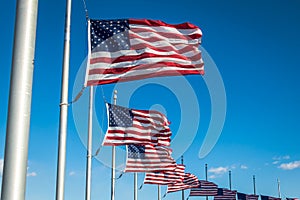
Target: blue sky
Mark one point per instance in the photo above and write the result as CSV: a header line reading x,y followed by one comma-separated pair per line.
x,y
255,46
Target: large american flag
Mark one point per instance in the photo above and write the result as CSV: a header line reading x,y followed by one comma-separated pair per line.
x,y
189,181
242,196
225,194
205,188
147,158
263,197
131,126
132,49
165,177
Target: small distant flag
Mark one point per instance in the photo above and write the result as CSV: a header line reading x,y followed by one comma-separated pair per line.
x,y
131,126
165,177
133,49
189,181
292,199
225,194
205,188
147,158
242,196
263,197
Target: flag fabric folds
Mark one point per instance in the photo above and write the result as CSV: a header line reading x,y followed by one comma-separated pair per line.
x,y
133,49
225,194
242,196
205,188
264,197
165,177
147,158
131,126
291,198
189,181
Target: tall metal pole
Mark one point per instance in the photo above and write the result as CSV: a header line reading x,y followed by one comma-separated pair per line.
x,y
254,186
61,161
135,186
182,191
89,146
206,177
278,183
229,179
19,108
113,157
158,192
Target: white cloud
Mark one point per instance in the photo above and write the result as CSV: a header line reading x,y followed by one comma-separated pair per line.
x,y
279,158
31,174
244,167
1,166
275,162
290,165
72,173
218,170
212,177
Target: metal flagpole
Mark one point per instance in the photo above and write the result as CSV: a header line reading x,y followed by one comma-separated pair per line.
x,y
18,118
158,192
278,183
89,146
229,179
61,161
182,191
206,177
135,186
113,157
254,187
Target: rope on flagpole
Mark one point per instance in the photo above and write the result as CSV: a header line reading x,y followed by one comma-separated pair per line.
x,y
85,10
141,186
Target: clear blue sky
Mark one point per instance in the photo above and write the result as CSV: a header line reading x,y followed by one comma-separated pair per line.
x,y
255,46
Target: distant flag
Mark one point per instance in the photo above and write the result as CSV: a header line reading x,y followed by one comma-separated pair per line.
x,y
242,196
225,194
133,49
189,181
263,197
205,188
131,126
147,158
165,177
292,199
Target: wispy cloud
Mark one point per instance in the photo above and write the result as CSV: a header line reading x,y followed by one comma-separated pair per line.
x,y
277,159
290,165
72,173
244,167
217,171
31,174
1,167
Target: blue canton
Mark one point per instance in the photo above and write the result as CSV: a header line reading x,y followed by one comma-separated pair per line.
x,y
136,151
109,35
119,116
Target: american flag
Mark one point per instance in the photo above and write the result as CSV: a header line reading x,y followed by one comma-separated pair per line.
x,y
147,158
130,126
165,177
242,196
225,194
292,198
189,181
205,188
133,49
263,197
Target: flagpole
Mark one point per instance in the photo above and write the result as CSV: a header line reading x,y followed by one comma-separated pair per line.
x,y
89,146
278,183
20,94
182,191
229,179
206,177
61,161
254,187
113,157
158,192
135,185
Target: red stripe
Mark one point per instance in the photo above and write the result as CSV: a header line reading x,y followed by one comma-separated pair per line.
x,y
149,22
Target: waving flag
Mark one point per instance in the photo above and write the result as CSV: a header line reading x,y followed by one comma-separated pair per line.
x,y
189,181
225,194
165,177
147,158
130,126
263,197
133,49
242,196
205,188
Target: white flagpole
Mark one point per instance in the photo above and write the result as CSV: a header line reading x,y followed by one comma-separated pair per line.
x,y
113,157
135,185
158,192
182,191
18,118
89,146
278,183
254,186
61,163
